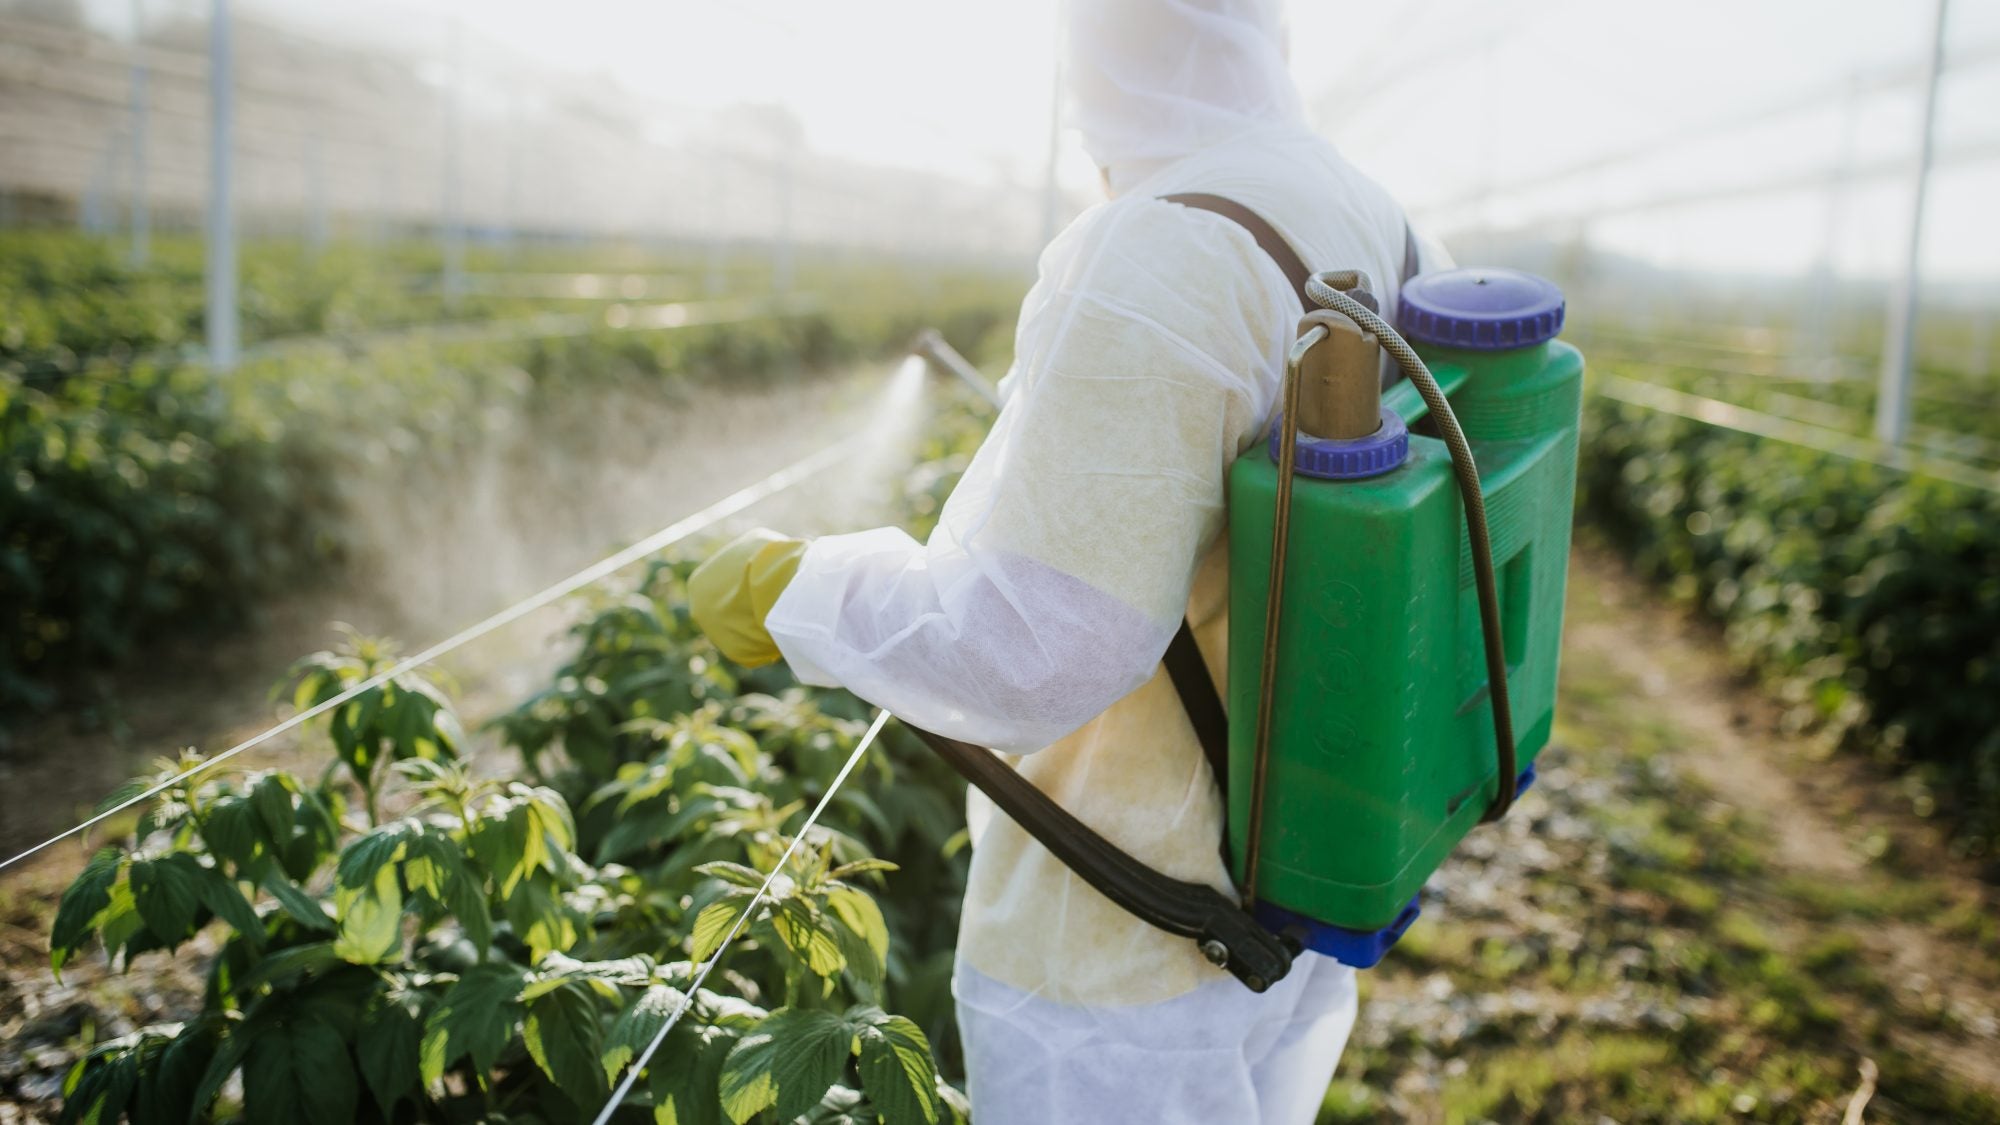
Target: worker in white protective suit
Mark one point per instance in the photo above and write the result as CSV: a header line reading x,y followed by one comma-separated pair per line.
x,y
1148,357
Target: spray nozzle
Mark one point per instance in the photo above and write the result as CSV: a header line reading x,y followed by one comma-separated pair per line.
x,y
930,346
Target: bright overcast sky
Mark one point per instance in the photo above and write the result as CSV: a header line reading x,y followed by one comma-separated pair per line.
x,y
1448,102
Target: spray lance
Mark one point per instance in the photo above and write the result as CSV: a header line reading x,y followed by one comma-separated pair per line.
x,y
1397,565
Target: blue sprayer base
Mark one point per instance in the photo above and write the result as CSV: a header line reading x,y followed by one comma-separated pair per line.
x,y
1360,949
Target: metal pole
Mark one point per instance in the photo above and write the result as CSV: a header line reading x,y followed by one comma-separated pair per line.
x,y
712,281
315,174
454,221
224,343
1892,396
511,201
141,211
781,265
93,195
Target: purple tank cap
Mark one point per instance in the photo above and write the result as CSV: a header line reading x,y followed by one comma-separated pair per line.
x,y
1485,310
1327,459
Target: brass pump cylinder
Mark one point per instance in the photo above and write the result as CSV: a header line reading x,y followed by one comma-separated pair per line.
x,y
1340,387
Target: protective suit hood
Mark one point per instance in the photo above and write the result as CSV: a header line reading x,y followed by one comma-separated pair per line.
x,y
1152,81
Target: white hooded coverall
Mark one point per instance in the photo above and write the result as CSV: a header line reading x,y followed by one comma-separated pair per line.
x,y
1147,358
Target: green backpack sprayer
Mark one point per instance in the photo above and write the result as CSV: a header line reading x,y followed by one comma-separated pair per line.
x,y
1397,562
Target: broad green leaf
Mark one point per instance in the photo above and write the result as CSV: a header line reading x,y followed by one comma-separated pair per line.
x,y
298,1070
807,933
288,964
789,1062
897,1069
861,867
733,873
631,971
233,832
660,822
228,1056
686,1072
476,1017
370,918
101,1087
387,1048
537,913
272,799
858,911
82,906
223,899
565,1040
435,865
167,892
500,839
363,859
313,830
636,1025
119,926
299,906
167,1088
713,924
558,969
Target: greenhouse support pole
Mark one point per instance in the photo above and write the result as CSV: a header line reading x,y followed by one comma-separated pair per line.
x,y
454,203
314,170
1892,395
781,262
93,209
220,261
712,281
141,214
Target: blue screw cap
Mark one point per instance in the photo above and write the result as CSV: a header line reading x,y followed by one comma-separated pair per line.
x,y
1487,310
1328,459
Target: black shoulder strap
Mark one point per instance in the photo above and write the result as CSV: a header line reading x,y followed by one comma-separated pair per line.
x,y
1267,236
1274,244
1201,700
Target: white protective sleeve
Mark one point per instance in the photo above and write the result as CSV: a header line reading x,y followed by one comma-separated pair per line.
x,y
1146,359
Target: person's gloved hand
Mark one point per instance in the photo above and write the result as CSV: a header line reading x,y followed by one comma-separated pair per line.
x,y
730,594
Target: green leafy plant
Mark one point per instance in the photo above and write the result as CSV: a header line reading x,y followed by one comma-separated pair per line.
x,y
408,939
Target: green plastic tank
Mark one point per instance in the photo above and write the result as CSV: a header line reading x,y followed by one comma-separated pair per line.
x,y
1382,752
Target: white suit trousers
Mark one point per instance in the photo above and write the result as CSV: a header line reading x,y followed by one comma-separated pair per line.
x,y
1220,1055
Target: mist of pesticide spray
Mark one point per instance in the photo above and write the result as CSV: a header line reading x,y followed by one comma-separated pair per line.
x,y
896,422
841,493
861,491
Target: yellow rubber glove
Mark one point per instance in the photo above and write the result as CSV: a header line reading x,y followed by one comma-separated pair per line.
x,y
730,594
